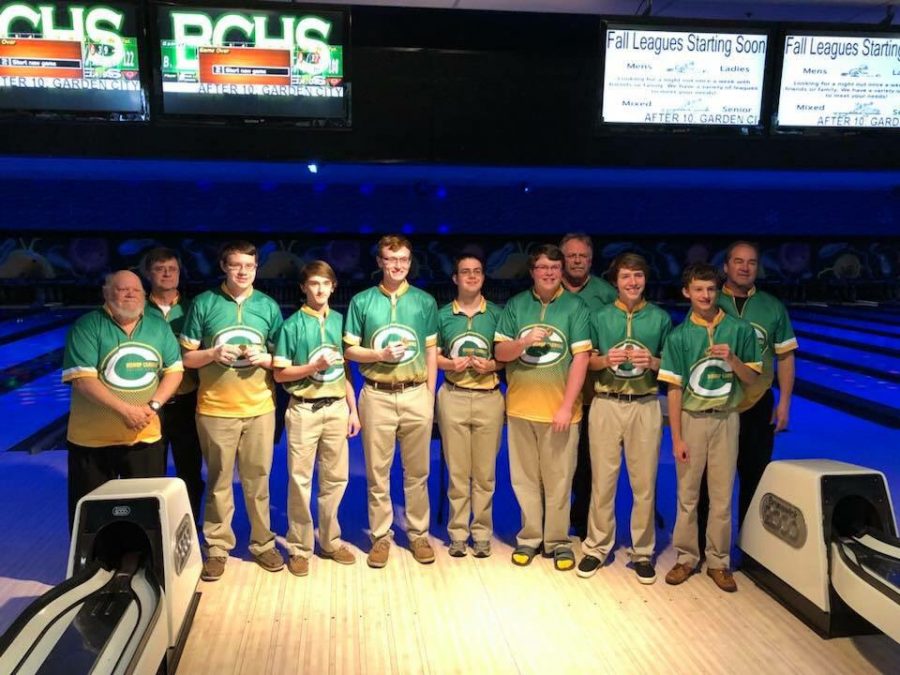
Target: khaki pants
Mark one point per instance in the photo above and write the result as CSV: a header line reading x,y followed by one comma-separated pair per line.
x,y
248,440
541,465
388,417
315,438
471,424
638,426
712,441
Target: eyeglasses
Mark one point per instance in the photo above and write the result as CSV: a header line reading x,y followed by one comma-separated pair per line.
x,y
401,261
237,267
466,272
547,268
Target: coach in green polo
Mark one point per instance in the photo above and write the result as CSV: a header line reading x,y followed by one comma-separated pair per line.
x,y
470,407
123,365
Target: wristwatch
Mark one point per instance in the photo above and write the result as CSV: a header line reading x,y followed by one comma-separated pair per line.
x,y
154,406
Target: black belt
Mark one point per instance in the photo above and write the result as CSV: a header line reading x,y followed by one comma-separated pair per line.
x,y
711,411
392,386
319,402
623,397
456,386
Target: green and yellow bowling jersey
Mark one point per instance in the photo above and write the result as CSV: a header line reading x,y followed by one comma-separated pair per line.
x,y
239,389
175,316
461,335
774,332
130,367
708,382
377,318
596,294
537,379
302,338
614,327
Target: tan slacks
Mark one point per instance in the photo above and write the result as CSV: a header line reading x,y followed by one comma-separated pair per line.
x,y
541,465
388,417
315,439
471,424
712,441
636,425
247,441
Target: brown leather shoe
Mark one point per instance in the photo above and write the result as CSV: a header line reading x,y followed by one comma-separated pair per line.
x,y
341,555
679,574
378,556
298,566
270,560
724,579
213,568
422,551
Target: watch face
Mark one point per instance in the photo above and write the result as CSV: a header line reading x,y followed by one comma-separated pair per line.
x,y
154,405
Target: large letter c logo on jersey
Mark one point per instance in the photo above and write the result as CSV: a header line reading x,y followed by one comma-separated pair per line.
x,y
547,353
762,337
396,333
711,378
627,370
131,366
331,373
245,338
469,344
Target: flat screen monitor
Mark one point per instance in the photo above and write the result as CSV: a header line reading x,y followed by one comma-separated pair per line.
x,y
70,57
680,77
832,81
285,62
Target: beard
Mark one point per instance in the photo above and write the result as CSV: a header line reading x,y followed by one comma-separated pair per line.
x,y
125,313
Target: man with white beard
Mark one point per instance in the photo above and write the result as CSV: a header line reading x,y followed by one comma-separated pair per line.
x,y
123,366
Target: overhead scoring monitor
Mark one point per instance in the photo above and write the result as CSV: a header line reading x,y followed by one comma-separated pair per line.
x,y
840,81
682,77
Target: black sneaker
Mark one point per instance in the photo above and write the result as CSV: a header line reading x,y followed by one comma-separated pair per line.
x,y
588,566
645,571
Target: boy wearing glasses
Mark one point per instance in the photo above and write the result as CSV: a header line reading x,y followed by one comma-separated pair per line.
x,y
544,338
391,331
578,251
470,407
227,336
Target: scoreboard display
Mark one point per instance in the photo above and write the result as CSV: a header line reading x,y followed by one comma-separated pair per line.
x,y
68,57
259,63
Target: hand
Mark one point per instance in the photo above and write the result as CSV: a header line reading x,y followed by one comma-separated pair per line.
x,y
353,425
393,352
562,418
136,417
263,359
681,451
641,358
483,366
534,336
722,351
460,363
616,357
226,354
323,361
781,416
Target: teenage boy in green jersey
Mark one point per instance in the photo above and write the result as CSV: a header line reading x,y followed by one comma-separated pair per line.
x,y
578,250
707,361
227,337
469,407
162,270
544,338
628,338
391,331
319,419
123,365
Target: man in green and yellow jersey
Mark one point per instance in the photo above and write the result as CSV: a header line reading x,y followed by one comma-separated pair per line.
x,y
544,338
470,407
162,269
391,331
319,419
227,337
578,249
123,365
707,361
628,337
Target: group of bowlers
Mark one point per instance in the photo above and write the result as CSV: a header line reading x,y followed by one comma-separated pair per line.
x,y
582,360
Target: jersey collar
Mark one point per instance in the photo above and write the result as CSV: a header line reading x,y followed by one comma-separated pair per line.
x,y
456,309
228,294
728,291
559,292
637,308
719,318
401,290
153,301
306,309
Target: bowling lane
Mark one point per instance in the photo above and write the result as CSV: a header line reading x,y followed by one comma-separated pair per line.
x,y
19,327
845,322
860,337
33,406
22,351
850,356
